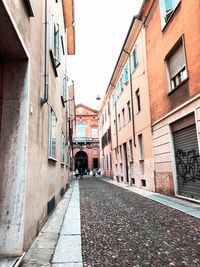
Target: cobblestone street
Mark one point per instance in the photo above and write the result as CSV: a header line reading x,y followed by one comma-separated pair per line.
x,y
121,228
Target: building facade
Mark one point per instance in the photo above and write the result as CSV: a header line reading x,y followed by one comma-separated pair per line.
x,y
153,98
129,115
86,139
173,52
35,38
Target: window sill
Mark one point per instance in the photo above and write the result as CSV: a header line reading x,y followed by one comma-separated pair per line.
x,y
62,164
170,18
184,81
141,160
52,159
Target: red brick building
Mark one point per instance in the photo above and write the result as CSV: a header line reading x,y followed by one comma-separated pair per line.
x,y
86,138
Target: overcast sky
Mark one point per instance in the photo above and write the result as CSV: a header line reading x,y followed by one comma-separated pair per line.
x,y
100,28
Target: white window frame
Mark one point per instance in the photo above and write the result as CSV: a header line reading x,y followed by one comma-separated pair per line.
x,y
52,146
140,147
173,82
165,13
62,148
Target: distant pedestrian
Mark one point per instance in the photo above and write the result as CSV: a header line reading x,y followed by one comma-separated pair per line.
x,y
76,173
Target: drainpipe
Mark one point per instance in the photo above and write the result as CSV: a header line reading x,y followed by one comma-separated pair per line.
x,y
44,99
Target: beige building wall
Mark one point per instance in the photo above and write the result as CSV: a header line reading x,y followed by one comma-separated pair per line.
x,y
105,132
140,170
30,178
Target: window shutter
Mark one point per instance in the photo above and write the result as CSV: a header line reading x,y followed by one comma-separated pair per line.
x,y
176,61
126,73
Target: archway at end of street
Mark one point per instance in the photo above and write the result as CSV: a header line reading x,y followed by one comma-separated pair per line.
x,y
81,161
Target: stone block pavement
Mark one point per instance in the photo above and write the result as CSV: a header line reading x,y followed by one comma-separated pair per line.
x,y
59,242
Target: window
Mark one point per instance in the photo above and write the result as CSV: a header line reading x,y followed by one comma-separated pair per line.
x,y
119,122
137,94
110,161
94,133
129,111
67,151
176,67
126,77
107,164
123,117
121,84
140,144
120,151
28,6
131,149
80,129
114,122
134,60
62,148
167,8
55,44
52,134
63,87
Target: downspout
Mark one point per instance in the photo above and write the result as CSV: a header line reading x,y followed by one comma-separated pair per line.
x,y
44,99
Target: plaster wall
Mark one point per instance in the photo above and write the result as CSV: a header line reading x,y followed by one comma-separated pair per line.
x,y
138,170
165,170
13,147
184,22
46,176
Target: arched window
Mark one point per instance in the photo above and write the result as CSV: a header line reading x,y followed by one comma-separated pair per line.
x,y
80,129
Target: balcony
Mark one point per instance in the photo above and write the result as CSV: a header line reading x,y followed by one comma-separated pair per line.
x,y
85,139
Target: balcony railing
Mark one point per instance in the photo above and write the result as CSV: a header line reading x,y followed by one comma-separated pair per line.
x,y
84,139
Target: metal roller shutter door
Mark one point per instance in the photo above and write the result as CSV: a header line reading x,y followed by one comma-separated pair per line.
x,y
187,162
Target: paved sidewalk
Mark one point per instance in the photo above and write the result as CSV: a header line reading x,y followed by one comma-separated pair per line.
x,y
59,242
185,206
68,249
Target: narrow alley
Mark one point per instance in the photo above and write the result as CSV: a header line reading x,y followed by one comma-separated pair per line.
x,y
99,133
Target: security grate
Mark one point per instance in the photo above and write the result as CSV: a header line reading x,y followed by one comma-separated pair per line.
x,y
51,205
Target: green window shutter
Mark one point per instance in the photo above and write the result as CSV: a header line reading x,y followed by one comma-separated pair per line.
x,y
126,74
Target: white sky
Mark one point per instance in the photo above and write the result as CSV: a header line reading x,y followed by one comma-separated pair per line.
x,y
100,30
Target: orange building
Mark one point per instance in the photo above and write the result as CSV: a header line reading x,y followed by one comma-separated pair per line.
x,y
173,59
86,138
